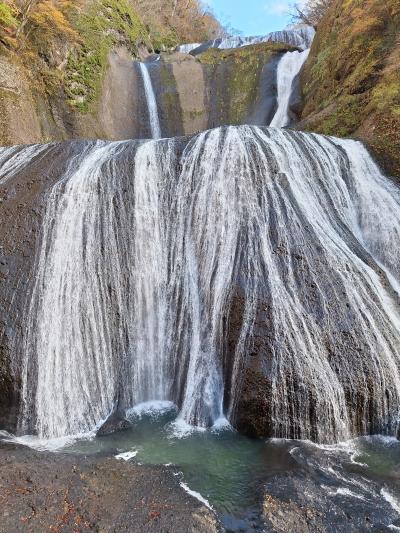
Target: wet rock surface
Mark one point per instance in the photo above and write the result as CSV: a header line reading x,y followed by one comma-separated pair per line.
x,y
22,201
297,503
43,491
327,491
115,422
214,88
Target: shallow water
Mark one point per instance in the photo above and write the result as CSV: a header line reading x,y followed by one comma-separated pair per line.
x,y
231,471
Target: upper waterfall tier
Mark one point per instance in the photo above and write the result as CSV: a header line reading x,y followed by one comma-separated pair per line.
x,y
299,37
182,95
243,272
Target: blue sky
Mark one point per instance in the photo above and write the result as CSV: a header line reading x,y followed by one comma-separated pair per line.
x,y
252,17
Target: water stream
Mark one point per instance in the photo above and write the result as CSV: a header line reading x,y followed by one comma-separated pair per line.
x,y
349,484
151,102
288,68
297,37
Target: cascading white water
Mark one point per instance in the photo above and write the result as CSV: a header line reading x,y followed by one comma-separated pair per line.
x,y
14,158
288,68
299,37
151,102
187,48
146,246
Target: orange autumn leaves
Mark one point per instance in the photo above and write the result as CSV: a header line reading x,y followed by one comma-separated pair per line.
x,y
49,18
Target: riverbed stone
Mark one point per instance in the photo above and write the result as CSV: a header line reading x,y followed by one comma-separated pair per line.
x,y
43,491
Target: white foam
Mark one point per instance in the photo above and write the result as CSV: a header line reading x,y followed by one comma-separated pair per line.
x,y
126,456
196,495
153,408
195,208
151,102
42,444
349,447
391,500
187,48
181,429
300,37
383,440
343,491
221,424
288,68
14,158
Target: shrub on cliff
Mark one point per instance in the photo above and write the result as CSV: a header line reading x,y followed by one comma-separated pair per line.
x,y
36,24
351,81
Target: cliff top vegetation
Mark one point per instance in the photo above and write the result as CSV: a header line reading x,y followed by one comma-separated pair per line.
x,y
352,78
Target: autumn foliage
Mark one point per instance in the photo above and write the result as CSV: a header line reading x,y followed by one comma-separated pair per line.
x,y
36,20
351,82
168,22
183,20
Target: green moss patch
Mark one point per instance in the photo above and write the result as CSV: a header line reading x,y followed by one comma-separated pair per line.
x,y
105,24
238,72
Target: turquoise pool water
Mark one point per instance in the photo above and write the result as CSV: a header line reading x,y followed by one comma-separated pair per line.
x,y
232,471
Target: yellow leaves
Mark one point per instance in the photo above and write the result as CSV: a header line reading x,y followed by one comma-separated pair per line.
x,y
172,22
369,9
50,19
8,14
27,21
8,23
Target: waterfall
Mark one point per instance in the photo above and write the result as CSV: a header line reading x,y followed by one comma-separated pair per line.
x,y
187,48
151,102
149,247
298,37
14,158
288,68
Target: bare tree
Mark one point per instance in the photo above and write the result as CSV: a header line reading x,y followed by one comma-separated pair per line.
x,y
26,9
188,20
312,12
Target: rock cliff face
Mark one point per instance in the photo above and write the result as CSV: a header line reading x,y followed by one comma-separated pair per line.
x,y
351,82
193,93
66,70
215,88
30,115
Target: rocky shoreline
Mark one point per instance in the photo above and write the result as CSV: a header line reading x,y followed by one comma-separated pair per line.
x,y
44,491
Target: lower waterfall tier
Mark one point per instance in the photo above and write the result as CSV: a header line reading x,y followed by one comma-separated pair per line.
x,y
245,273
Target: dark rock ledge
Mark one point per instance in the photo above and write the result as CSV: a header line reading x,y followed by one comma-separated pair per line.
x,y
43,491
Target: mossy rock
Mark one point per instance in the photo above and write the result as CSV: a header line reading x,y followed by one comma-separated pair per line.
x,y
105,23
238,74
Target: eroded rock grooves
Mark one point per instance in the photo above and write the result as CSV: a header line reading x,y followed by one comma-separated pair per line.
x,y
243,272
